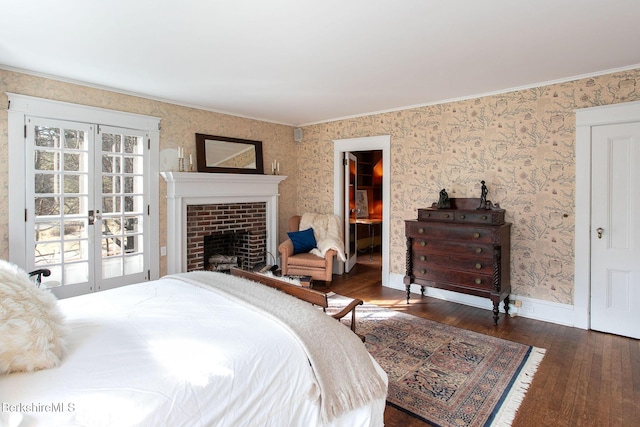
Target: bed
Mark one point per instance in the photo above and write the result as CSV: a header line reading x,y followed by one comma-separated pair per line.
x,y
192,350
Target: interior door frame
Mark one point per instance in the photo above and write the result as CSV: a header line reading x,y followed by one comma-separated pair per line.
x,y
21,106
585,119
368,143
352,258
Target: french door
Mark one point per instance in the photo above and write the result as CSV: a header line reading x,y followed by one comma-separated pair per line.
x,y
86,205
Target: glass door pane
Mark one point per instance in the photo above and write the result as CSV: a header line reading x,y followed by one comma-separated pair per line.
x,y
59,182
122,200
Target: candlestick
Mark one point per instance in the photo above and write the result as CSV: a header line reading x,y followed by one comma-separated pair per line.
x,y
190,162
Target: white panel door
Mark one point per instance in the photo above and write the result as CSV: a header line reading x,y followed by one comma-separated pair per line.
x,y
615,229
350,212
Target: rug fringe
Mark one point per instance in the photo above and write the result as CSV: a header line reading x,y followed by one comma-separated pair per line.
x,y
507,412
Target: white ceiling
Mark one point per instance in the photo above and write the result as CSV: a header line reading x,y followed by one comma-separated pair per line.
x,y
302,61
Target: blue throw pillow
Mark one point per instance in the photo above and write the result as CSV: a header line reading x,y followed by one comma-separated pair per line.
x,y
303,241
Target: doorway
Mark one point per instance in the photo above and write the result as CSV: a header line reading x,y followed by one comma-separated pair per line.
x,y
83,197
368,221
606,134
382,144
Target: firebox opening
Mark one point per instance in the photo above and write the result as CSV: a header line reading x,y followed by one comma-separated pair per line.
x,y
222,251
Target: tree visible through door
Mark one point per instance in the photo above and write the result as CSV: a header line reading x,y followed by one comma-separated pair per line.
x,y
86,213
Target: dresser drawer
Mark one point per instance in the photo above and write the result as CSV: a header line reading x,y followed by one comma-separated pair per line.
x,y
435,215
490,217
480,218
472,250
426,261
468,233
461,249
452,277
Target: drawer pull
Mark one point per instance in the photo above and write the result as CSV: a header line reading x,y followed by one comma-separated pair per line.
x,y
478,266
462,217
446,215
423,271
420,230
478,250
423,258
478,281
484,217
423,243
476,235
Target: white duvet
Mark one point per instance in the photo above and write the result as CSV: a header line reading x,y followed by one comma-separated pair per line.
x,y
166,353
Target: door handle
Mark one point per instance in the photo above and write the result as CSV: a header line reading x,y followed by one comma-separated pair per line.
x,y
94,216
600,230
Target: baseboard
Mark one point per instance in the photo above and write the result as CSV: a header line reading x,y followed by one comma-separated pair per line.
x,y
548,311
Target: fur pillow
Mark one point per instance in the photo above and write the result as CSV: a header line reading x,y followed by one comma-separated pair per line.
x,y
31,324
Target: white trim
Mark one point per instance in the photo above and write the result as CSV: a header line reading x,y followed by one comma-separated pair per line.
x,y
16,179
586,118
21,106
335,119
50,109
380,142
548,311
479,95
193,188
137,94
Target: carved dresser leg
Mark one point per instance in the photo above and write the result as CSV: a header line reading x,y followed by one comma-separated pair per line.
x,y
496,310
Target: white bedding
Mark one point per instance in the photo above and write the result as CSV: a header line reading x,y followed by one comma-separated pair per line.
x,y
167,353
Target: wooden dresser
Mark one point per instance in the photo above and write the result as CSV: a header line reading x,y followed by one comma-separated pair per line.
x,y
462,249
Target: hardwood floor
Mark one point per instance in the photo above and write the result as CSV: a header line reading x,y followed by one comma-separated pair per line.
x,y
587,378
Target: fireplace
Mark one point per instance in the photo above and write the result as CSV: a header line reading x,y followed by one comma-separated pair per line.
x,y
226,231
190,190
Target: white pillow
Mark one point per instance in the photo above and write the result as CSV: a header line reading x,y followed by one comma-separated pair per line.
x,y
31,324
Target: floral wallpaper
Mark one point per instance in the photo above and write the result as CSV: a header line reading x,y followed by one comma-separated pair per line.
x,y
521,143
179,126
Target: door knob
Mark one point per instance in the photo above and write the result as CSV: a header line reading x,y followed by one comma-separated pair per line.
x,y
600,230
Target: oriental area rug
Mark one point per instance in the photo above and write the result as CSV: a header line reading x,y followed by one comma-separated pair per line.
x,y
443,375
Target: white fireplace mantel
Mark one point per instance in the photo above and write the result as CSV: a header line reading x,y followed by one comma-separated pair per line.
x,y
193,188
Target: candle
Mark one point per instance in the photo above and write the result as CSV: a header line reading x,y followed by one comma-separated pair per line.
x,y
278,166
190,160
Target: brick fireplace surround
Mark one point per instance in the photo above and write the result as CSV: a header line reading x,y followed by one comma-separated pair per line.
x,y
185,189
223,219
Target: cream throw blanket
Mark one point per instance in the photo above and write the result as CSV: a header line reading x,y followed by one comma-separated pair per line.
x,y
343,368
327,229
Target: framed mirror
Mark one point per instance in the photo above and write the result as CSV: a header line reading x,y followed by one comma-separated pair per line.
x,y
222,154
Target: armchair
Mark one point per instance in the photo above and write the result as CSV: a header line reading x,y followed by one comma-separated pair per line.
x,y
305,263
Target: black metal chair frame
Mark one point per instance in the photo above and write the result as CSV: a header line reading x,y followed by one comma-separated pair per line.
x,y
39,273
